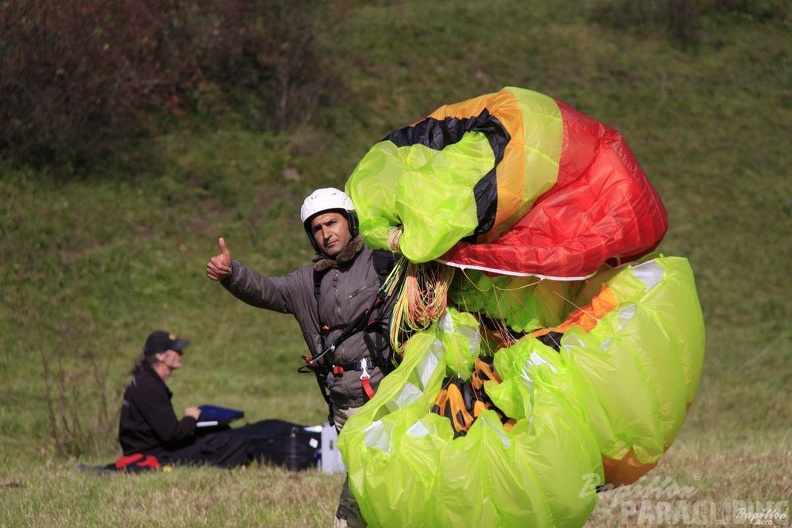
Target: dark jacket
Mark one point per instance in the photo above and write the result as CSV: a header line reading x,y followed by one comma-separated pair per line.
x,y
148,422
349,286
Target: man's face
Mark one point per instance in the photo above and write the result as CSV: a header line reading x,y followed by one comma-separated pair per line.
x,y
331,233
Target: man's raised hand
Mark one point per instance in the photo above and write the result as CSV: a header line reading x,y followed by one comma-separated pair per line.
x,y
219,266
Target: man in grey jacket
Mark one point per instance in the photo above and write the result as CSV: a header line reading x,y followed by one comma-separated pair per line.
x,y
337,302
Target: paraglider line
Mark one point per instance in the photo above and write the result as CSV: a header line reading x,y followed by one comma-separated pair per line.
x,y
577,307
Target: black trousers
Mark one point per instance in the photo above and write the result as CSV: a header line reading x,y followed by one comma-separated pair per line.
x,y
222,448
276,442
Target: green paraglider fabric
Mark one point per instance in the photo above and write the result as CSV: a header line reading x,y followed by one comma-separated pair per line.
x,y
622,385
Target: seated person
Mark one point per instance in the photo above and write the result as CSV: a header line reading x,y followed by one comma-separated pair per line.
x,y
149,424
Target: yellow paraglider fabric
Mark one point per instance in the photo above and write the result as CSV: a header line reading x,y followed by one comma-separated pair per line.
x,y
469,168
616,391
406,469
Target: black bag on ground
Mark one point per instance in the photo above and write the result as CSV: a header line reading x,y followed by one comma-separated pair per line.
x,y
283,443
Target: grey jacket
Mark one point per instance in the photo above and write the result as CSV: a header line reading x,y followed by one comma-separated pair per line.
x,y
349,286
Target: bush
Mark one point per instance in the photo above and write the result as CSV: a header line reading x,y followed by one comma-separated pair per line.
x,y
83,410
679,19
753,10
84,78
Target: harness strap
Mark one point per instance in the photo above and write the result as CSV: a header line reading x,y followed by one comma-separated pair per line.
x,y
384,262
363,365
320,380
364,378
360,323
327,329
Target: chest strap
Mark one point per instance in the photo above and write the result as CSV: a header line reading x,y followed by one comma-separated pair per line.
x,y
362,365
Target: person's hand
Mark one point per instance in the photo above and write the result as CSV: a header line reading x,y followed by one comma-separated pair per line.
x,y
192,412
219,266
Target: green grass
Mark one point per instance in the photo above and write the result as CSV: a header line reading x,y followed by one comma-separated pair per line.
x,y
255,496
88,267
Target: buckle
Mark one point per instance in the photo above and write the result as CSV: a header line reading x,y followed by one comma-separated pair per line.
x,y
364,363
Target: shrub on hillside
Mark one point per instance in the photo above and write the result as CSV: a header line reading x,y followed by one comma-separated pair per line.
x,y
753,10
681,20
83,410
677,18
82,78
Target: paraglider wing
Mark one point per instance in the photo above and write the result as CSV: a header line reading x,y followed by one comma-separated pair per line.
x,y
467,171
550,365
601,209
513,182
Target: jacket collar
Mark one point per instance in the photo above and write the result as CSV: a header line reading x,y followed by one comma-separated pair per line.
x,y
322,262
148,370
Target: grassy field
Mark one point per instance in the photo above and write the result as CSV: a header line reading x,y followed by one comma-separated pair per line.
x,y
89,266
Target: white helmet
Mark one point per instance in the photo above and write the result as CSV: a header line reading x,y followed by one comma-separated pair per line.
x,y
325,200
328,199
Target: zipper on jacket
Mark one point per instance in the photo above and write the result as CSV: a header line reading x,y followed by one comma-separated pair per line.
x,y
336,293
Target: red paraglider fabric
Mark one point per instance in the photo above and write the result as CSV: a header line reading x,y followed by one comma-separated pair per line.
x,y
602,210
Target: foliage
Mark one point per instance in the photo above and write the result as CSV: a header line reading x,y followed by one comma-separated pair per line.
x,y
678,18
82,80
682,20
82,410
752,10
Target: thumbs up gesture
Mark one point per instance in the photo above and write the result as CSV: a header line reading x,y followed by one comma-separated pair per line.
x,y
219,266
